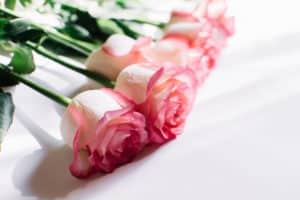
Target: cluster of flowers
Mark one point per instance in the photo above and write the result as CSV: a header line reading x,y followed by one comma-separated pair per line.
x,y
156,84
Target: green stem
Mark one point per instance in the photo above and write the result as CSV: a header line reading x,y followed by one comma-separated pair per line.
x,y
56,36
92,75
60,99
65,40
144,21
127,30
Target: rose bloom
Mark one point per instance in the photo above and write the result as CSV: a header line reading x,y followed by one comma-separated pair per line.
x,y
209,15
116,53
164,95
174,51
205,30
104,131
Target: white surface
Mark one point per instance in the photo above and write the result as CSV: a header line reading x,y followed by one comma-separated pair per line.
x,y
241,140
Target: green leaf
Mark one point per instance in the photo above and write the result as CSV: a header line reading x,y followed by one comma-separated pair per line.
x,y
7,109
22,30
74,15
25,2
127,30
121,3
77,32
61,49
22,60
51,3
10,4
6,80
3,24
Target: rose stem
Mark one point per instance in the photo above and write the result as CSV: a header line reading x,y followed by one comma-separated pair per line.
x,y
145,21
60,99
56,36
92,75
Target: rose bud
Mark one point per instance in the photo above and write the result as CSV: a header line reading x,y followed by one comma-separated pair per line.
x,y
116,53
103,130
164,95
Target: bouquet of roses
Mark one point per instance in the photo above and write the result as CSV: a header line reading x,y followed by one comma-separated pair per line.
x,y
149,84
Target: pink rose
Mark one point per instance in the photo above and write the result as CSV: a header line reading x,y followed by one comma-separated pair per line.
x,y
205,27
205,30
164,95
104,131
207,11
116,53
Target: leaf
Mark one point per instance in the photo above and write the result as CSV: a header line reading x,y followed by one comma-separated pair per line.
x,y
22,30
121,3
127,30
61,49
22,60
51,3
6,80
10,4
77,32
7,109
3,24
25,2
74,15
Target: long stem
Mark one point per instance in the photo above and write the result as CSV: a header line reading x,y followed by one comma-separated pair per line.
x,y
56,36
96,77
62,100
65,40
145,21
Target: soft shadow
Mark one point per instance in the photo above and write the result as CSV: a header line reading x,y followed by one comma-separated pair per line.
x,y
60,74
58,108
44,173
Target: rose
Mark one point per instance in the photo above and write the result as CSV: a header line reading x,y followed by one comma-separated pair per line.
x,y
205,30
116,53
164,95
104,131
212,12
174,51
207,22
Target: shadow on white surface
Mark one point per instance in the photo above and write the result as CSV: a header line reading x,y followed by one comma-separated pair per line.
x,y
44,173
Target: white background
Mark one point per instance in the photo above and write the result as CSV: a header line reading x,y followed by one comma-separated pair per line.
x,y
241,141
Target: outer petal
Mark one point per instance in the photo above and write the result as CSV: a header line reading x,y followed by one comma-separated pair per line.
x,y
170,96
133,81
117,53
80,166
168,50
114,139
120,136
